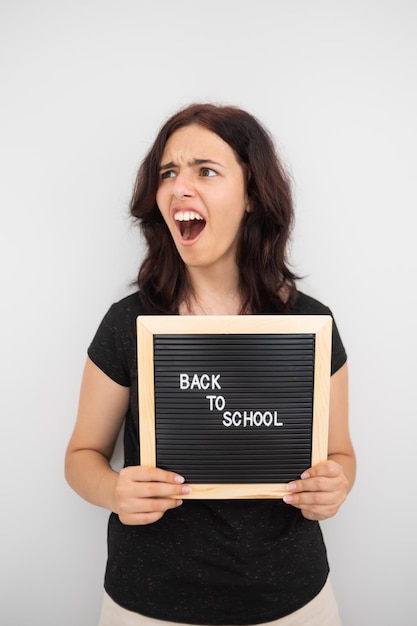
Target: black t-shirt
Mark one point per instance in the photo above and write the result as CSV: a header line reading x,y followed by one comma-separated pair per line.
x,y
207,561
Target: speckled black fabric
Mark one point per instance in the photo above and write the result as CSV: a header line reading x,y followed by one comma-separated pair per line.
x,y
207,561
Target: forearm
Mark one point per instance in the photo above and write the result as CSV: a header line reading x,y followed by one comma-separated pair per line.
x,y
89,473
341,450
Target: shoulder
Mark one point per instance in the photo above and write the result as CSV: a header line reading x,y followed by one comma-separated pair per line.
x,y
113,348
306,305
125,311
119,322
131,304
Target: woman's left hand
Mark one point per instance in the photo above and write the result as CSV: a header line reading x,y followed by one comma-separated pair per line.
x,y
320,492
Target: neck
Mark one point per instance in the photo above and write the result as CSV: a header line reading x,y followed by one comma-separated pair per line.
x,y
213,294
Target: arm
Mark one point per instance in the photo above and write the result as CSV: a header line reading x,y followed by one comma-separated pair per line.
x,y
137,493
324,487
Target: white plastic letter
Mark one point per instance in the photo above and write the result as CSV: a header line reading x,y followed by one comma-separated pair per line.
x,y
220,403
214,381
227,419
211,401
184,381
205,381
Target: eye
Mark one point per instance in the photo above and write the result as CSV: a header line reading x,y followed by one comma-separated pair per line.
x,y
207,171
167,174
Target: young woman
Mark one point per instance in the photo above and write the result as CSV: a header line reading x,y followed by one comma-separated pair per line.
x,y
214,205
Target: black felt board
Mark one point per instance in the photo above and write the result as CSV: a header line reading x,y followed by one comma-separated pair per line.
x,y
256,428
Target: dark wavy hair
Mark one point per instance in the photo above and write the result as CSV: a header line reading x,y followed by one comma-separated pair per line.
x,y
267,284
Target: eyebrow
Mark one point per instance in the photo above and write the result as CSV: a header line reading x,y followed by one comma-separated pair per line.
x,y
171,164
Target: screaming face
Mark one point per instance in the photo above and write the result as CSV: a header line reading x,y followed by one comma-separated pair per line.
x,y
202,197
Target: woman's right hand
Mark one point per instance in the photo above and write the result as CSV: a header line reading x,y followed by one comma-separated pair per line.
x,y
138,494
143,494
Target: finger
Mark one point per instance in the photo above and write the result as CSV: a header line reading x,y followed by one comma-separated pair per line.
x,y
325,468
140,473
311,498
151,505
134,508
127,491
160,490
320,477
146,517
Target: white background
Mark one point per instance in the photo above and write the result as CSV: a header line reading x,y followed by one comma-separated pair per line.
x,y
85,86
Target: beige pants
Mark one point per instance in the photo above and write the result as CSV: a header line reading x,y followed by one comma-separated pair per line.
x,y
321,611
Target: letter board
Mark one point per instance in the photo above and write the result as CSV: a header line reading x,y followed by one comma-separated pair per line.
x,y
236,404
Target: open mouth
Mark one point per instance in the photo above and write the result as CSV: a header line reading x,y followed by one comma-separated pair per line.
x,y
190,224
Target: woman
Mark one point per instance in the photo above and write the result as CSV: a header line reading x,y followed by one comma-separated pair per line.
x,y
214,205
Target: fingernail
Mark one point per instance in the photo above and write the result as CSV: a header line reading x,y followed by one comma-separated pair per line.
x,y
288,499
186,489
179,479
179,502
305,475
291,486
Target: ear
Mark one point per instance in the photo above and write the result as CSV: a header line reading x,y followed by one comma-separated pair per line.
x,y
248,206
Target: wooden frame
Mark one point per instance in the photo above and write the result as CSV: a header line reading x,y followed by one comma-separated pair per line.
x,y
150,326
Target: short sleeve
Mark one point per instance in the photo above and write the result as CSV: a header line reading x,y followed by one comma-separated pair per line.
x,y
339,356
306,305
107,349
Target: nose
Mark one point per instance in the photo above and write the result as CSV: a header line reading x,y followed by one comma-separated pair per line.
x,y
183,186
